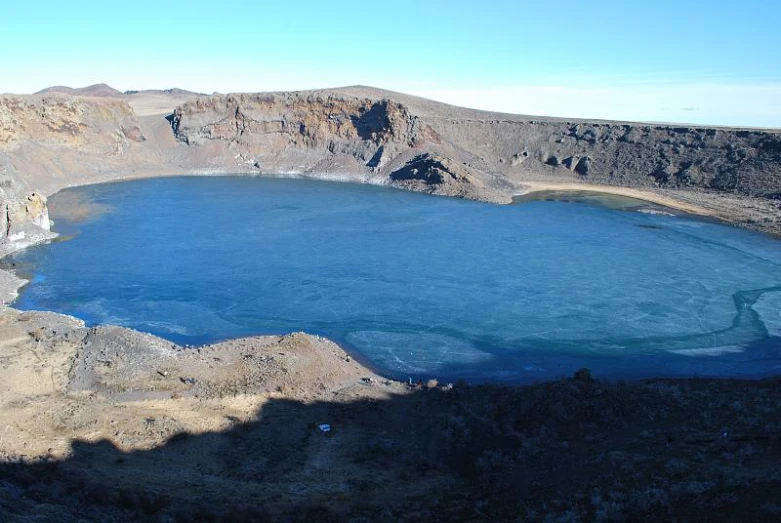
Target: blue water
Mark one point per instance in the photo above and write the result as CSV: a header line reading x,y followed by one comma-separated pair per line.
x,y
417,285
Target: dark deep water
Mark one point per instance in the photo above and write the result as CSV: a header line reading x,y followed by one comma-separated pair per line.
x,y
413,284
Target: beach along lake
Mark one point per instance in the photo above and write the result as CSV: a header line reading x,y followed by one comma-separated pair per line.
x,y
416,285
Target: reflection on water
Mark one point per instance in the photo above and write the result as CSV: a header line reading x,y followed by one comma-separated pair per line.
x,y
420,285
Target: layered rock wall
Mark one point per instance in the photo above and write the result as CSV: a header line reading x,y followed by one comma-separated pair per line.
x,y
297,131
743,161
300,131
23,221
377,139
58,121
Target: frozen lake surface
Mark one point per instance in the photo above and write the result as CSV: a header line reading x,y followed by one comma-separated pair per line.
x,y
417,285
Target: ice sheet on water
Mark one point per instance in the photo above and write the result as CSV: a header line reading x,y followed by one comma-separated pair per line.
x,y
167,327
416,352
709,351
768,307
99,311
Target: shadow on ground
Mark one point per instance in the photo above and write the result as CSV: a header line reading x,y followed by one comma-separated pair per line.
x,y
571,450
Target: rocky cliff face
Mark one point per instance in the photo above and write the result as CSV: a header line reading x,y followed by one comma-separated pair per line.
x,y
333,123
48,137
298,132
53,140
23,221
731,160
58,121
377,140
383,138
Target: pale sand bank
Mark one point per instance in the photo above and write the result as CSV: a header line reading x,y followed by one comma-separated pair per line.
x,y
639,194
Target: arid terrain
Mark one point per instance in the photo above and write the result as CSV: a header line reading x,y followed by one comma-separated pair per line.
x,y
109,424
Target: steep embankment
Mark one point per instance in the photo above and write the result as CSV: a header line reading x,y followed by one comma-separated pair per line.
x,y
42,142
376,141
52,140
414,142
746,161
743,161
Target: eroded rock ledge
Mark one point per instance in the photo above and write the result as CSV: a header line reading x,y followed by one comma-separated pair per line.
x,y
362,138
23,221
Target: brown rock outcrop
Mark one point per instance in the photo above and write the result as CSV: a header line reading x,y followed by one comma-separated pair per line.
x,y
23,221
62,121
326,134
263,128
438,174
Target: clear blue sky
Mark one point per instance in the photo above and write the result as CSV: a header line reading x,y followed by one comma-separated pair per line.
x,y
663,60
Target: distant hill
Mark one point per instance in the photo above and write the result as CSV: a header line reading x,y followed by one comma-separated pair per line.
x,y
144,102
92,90
104,90
172,92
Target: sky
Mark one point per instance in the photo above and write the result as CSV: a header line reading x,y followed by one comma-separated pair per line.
x,y
711,62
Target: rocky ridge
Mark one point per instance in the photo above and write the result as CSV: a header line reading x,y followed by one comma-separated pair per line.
x,y
69,122
299,131
742,161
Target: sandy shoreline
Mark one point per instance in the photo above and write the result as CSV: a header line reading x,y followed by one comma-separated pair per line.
x,y
638,194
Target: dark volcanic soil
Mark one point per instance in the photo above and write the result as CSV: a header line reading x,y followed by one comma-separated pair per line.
x,y
110,425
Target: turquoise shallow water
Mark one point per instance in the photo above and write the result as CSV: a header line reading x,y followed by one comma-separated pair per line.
x,y
417,285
